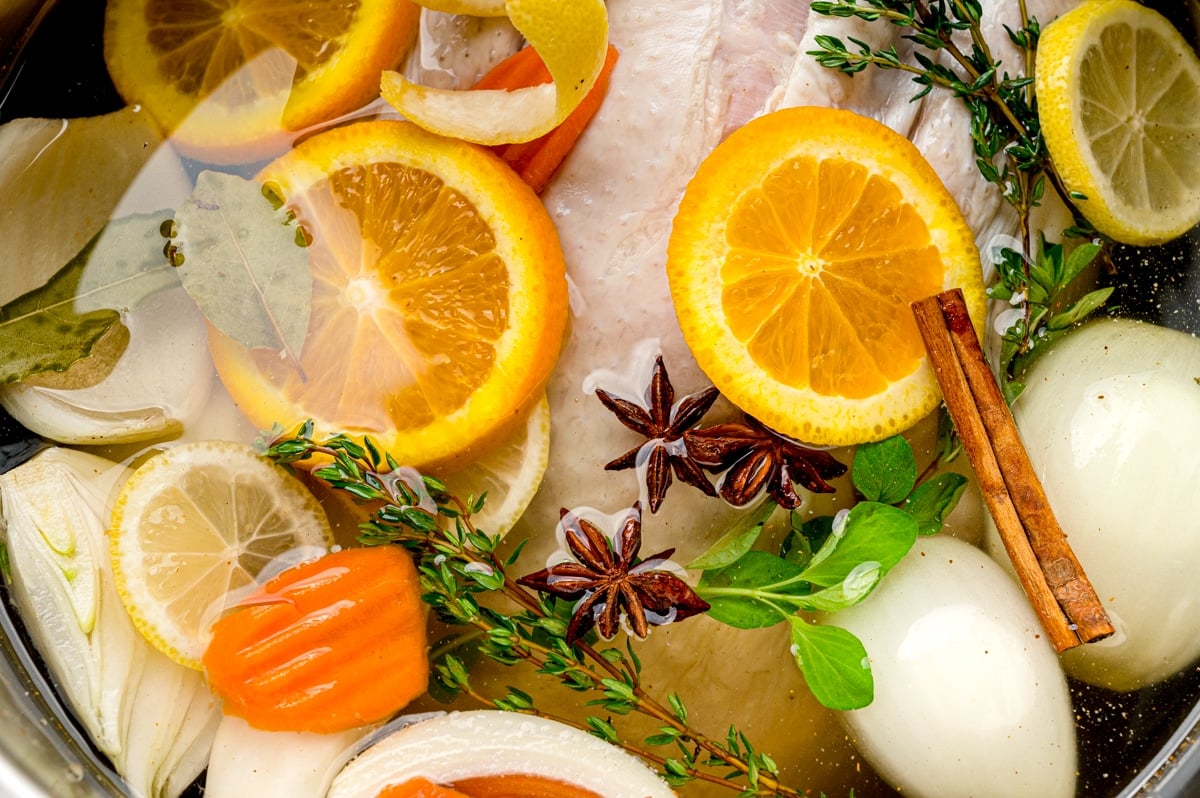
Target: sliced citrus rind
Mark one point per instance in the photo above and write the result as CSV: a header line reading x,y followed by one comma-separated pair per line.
x,y
510,475
196,523
439,300
235,80
572,39
473,8
759,276
1116,84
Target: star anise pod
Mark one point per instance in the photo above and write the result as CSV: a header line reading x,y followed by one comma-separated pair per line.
x,y
755,456
664,424
615,583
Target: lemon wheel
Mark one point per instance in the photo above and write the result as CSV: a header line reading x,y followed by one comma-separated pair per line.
x,y
1117,86
195,525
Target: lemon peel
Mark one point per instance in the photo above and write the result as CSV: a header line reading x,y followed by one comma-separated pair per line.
x,y
473,8
1115,82
571,36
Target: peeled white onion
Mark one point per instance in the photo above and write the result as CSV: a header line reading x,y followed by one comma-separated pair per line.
x,y
1111,419
969,697
462,745
247,761
159,385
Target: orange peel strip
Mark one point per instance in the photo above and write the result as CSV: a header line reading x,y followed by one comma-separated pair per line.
x,y
571,36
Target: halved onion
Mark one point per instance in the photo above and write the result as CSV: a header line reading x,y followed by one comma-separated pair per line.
x,y
447,749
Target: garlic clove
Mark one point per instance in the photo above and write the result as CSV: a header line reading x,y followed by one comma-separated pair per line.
x,y
463,745
160,383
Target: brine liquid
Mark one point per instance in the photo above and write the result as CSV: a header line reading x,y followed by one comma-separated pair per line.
x,y
63,75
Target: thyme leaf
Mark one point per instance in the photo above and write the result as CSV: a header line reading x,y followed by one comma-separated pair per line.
x,y
1010,152
465,579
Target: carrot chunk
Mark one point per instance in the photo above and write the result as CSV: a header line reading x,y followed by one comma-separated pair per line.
x,y
328,645
419,788
537,161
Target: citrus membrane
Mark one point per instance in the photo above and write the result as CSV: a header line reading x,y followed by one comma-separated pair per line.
x,y
571,36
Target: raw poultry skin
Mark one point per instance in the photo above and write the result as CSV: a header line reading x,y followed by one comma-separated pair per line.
x,y
690,72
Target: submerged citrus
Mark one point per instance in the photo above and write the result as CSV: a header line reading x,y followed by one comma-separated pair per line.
x,y
439,298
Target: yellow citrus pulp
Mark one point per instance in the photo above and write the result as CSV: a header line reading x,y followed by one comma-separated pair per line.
x,y
796,251
231,78
439,299
1117,86
196,522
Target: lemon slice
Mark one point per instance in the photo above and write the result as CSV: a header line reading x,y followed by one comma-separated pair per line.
x,y
1116,87
195,523
510,475
571,36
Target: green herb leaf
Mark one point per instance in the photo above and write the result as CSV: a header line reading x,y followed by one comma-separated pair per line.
x,y
730,547
61,322
805,537
242,265
857,585
872,533
932,501
834,663
745,609
884,471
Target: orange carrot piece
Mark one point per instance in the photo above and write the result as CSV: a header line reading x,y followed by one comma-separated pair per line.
x,y
325,646
521,785
522,69
537,161
419,788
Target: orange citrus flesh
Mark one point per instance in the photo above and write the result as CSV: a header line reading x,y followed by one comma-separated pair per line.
x,y
328,645
231,77
439,298
795,254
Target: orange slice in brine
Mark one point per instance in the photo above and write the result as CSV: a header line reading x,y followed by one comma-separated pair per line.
x,y
439,296
796,251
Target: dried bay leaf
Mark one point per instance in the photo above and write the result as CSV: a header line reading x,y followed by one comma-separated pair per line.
x,y
242,264
50,328
61,180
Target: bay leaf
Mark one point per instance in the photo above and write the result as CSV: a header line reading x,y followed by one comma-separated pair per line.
x,y
51,327
242,265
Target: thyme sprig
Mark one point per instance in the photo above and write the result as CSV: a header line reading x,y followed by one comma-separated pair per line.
x,y
1010,152
465,579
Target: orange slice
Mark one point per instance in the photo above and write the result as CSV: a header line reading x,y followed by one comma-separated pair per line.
x,y
439,298
796,251
232,78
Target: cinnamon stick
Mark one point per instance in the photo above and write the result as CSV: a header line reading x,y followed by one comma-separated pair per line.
x,y
1059,590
